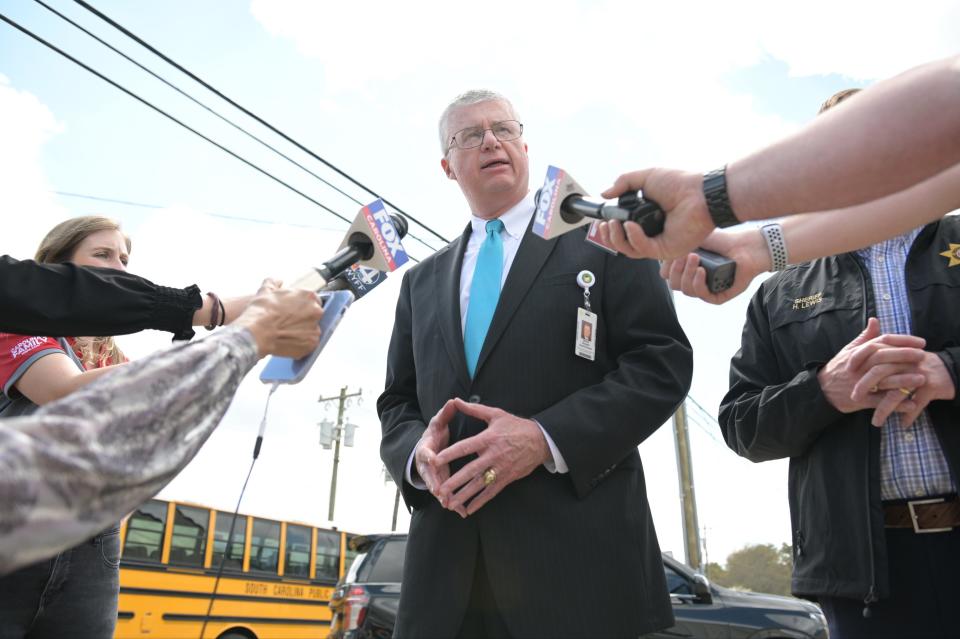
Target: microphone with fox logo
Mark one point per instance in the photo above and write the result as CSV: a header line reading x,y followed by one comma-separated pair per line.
x,y
562,205
372,241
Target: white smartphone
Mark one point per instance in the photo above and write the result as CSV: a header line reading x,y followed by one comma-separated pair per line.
x,y
286,370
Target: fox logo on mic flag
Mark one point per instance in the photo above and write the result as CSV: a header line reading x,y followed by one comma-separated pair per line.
x,y
386,239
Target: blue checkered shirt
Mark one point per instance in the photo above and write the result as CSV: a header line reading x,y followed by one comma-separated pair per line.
x,y
912,463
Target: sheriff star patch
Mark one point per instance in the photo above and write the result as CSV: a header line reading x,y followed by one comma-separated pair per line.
x,y
953,254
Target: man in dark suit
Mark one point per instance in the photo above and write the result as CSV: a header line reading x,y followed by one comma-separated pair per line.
x,y
530,516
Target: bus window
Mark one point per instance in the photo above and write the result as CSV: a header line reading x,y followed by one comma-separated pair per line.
x,y
265,546
144,540
296,561
328,555
188,544
221,530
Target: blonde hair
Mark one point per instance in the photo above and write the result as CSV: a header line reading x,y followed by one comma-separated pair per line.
x,y
59,246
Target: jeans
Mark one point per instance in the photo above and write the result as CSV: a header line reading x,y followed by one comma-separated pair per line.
x,y
72,595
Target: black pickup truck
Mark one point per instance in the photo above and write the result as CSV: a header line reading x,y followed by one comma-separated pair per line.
x,y
365,602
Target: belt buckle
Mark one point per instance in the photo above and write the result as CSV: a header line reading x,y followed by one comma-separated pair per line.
x,y
914,519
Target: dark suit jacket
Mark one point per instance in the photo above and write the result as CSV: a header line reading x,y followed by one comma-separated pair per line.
x,y
571,555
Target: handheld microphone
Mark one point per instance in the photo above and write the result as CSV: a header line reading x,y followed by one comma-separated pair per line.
x,y
357,279
562,205
373,240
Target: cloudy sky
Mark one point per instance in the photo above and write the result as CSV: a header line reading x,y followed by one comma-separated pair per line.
x,y
602,87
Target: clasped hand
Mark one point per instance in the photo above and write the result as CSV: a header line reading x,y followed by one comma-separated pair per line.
x,y
510,446
889,373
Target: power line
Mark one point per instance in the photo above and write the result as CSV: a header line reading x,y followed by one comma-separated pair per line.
x,y
109,200
707,431
170,117
703,410
246,111
238,218
209,109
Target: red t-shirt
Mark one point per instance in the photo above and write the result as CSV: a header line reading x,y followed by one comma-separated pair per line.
x,y
19,352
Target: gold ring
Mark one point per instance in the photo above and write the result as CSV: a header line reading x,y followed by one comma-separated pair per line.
x,y
489,476
905,391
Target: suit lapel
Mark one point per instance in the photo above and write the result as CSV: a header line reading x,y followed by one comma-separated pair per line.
x,y
447,271
531,256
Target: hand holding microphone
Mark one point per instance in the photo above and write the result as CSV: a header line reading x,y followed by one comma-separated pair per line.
x,y
687,222
562,206
282,321
745,246
371,246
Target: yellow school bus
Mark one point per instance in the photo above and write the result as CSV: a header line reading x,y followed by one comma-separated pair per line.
x,y
277,578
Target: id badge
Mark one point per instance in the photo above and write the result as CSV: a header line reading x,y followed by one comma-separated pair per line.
x,y
586,342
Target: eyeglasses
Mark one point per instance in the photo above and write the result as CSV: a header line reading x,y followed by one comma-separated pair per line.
x,y
472,137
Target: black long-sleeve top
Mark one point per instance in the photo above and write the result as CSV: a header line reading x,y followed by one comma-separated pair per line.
x,y
65,299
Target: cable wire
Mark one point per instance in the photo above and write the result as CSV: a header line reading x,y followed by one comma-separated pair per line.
x,y
133,95
238,218
209,109
247,112
703,410
236,512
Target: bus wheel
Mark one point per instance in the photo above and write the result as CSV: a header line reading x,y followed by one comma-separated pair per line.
x,y
235,634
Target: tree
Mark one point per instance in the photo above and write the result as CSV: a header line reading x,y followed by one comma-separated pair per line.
x,y
760,568
716,573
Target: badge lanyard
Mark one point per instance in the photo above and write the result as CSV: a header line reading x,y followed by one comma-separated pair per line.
x,y
585,345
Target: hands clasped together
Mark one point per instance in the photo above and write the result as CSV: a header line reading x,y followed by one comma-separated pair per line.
x,y
509,449
889,373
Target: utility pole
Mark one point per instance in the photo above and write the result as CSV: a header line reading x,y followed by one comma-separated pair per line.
x,y
396,508
337,433
688,500
388,479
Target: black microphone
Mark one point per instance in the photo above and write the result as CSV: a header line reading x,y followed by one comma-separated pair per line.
x,y
359,247
631,206
373,240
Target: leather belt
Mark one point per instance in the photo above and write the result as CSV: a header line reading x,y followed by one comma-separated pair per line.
x,y
940,514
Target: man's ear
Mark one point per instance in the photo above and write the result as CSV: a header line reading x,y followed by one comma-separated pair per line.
x,y
447,169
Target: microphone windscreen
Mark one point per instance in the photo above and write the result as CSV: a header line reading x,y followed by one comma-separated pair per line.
x,y
399,223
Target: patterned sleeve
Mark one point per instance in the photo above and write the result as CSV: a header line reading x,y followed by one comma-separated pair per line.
x,y
84,461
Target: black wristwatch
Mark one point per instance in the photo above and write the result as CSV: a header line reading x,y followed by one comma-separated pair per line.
x,y
718,202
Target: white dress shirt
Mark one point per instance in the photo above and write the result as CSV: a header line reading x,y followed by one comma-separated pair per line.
x,y
515,222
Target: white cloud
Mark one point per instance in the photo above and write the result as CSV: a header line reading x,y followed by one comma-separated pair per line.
x,y
858,38
26,125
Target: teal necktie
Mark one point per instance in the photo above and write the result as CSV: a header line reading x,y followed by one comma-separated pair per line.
x,y
484,293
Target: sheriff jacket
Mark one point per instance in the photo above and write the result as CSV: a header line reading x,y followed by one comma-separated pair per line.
x,y
797,321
